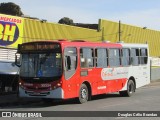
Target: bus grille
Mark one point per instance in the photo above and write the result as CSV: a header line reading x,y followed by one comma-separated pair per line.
x,y
30,93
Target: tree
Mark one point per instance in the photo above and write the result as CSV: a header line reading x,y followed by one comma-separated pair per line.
x,y
10,9
66,20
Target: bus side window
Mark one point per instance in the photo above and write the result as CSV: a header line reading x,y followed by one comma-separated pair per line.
x,y
135,56
101,57
144,56
114,57
86,55
125,57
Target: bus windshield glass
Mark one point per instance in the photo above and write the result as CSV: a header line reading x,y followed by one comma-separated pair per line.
x,y
41,65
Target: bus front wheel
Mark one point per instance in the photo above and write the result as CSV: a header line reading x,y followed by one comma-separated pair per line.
x,y
130,89
83,94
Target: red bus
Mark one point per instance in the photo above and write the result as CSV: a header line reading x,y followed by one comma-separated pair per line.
x,y
77,69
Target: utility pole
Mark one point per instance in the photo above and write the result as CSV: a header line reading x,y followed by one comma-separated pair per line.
x,y
119,31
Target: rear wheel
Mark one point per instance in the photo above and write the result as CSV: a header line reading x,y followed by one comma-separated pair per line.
x,y
130,89
83,94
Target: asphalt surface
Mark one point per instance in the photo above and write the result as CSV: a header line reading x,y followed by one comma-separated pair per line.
x,y
146,98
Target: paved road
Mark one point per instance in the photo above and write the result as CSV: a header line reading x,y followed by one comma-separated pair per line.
x,y
146,98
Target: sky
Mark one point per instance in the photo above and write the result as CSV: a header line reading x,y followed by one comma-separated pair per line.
x,y
142,13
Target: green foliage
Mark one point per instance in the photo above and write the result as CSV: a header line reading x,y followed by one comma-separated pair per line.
x,y
10,9
66,20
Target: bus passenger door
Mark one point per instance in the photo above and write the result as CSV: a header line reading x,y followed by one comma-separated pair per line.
x,y
70,74
87,71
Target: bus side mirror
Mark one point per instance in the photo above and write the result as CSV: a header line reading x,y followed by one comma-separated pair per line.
x,y
17,60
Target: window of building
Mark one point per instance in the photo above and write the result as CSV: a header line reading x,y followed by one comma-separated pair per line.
x,y
101,57
87,55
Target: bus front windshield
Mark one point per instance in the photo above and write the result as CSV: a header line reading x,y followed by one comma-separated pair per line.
x,y
41,65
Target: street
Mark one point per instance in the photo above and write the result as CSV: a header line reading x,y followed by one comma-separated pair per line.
x,y
146,98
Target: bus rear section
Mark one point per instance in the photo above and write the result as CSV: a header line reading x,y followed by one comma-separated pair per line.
x,y
64,69
135,57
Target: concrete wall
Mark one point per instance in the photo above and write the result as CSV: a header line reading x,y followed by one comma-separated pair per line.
x,y
155,74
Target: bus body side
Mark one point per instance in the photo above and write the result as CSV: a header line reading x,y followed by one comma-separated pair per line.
x,y
100,80
91,76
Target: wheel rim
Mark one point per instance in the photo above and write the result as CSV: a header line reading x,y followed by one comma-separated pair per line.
x,y
83,93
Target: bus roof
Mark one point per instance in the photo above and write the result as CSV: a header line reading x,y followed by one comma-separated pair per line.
x,y
82,43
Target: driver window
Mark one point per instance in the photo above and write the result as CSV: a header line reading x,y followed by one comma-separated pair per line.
x,y
70,61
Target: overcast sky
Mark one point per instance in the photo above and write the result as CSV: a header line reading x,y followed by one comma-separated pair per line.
x,y
134,12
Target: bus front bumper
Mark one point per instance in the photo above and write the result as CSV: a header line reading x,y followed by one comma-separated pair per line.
x,y
55,94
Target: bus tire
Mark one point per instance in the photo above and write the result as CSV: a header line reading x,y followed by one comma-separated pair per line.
x,y
83,94
130,89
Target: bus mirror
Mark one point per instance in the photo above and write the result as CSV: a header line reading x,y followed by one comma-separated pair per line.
x,y
19,47
17,60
